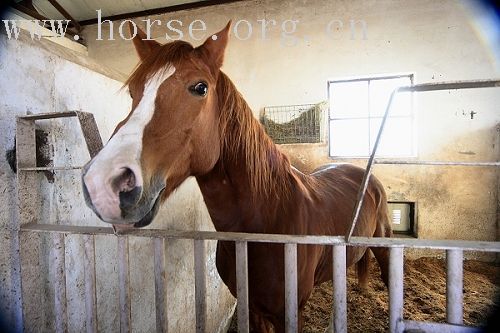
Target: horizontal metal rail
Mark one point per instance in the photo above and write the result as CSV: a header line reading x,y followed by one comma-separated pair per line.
x,y
423,326
466,84
41,169
450,163
49,115
484,246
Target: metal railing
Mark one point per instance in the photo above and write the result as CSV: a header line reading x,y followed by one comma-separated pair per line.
x,y
454,289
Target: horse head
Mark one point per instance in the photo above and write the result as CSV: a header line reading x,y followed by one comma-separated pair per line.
x,y
171,132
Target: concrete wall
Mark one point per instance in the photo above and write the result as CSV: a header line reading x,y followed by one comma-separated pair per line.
x,y
435,40
39,76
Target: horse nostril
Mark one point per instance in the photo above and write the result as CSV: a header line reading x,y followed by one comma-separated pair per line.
x,y
125,182
129,193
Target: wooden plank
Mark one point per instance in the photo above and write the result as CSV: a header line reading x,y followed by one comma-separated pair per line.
x,y
58,271
483,246
160,286
242,286
31,285
124,283
90,283
200,285
291,303
158,11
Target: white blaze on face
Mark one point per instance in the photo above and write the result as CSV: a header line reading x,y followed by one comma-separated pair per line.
x,y
123,150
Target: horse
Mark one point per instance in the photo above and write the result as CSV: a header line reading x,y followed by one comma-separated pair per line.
x,y
188,119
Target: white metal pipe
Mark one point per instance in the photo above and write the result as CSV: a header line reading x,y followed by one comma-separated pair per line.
x,y
483,246
124,284
454,286
90,286
395,289
339,289
425,326
200,285
160,286
446,163
242,286
291,303
57,254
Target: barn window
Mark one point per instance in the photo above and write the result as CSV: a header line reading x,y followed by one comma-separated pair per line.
x,y
356,110
294,123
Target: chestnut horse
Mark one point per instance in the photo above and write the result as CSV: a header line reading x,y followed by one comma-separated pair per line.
x,y
188,119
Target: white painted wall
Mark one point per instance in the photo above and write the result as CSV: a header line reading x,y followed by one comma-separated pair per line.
x,y
40,77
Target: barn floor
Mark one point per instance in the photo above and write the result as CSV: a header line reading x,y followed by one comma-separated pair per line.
x,y
425,290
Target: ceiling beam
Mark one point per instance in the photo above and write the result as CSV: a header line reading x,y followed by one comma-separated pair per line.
x,y
162,10
28,9
66,15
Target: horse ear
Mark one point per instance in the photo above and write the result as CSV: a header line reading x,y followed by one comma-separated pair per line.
x,y
215,45
143,46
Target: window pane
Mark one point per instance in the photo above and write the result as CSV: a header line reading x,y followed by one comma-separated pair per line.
x,y
349,99
397,139
380,91
349,138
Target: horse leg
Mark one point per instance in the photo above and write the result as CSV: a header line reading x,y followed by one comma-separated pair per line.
x,y
363,269
382,253
258,324
279,323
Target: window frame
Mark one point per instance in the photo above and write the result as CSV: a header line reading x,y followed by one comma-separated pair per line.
x,y
368,78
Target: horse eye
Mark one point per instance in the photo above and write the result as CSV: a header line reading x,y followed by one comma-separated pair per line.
x,y
199,89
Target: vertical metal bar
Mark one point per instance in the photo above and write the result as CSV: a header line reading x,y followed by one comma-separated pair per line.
x,y
31,287
27,196
291,308
454,286
27,260
395,288
364,183
242,286
58,272
90,132
160,286
124,284
90,283
339,289
200,285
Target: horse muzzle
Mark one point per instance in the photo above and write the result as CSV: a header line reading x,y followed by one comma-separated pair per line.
x,y
117,196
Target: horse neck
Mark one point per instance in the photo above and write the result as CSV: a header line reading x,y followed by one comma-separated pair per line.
x,y
252,178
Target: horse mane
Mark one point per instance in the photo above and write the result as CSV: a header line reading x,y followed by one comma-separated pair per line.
x,y
245,144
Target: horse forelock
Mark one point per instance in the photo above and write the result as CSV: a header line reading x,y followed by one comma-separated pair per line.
x,y
170,54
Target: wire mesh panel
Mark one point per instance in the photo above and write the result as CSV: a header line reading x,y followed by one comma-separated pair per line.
x,y
293,123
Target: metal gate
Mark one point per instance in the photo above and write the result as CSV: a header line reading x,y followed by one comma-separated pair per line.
x,y
28,227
